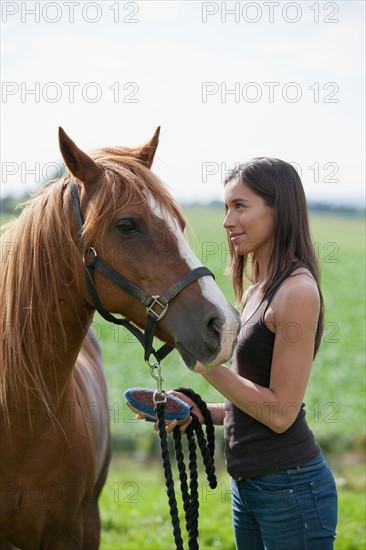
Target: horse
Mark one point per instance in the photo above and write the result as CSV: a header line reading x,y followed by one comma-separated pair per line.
x,y
54,461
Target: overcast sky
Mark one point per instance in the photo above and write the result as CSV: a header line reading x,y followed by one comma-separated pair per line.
x,y
227,81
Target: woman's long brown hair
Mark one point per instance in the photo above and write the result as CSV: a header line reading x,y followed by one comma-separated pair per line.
x,y
279,185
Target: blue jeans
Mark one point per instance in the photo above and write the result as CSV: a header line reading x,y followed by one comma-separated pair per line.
x,y
291,510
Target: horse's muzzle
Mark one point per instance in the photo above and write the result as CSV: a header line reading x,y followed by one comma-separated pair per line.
x,y
214,343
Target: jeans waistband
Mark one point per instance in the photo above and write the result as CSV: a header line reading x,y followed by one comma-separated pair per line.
x,y
313,464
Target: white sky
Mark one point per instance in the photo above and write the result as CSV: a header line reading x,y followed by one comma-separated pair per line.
x,y
109,72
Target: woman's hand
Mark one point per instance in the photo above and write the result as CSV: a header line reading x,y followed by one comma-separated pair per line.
x,y
172,424
194,409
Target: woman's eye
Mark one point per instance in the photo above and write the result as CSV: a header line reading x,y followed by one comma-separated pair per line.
x,y
126,226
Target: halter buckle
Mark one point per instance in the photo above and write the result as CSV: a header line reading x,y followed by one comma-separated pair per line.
x,y
164,307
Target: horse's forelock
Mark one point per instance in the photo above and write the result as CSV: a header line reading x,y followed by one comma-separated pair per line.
x,y
126,182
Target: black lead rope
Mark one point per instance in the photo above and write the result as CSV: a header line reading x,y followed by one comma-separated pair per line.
x,y
189,490
169,483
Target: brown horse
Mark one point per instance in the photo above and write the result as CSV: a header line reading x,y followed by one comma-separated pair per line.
x,y
54,459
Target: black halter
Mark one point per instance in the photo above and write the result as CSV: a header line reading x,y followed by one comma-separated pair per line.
x,y
156,305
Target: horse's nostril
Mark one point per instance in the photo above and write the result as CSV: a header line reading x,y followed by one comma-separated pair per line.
x,y
214,333
216,325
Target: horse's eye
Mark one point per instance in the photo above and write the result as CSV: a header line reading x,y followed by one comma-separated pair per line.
x,y
126,226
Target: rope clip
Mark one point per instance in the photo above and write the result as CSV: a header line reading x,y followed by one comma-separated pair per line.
x,y
159,380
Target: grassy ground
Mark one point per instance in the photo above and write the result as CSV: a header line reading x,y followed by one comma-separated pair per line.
x,y
135,513
134,505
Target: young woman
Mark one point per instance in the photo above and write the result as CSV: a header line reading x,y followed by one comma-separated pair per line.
x,y
283,493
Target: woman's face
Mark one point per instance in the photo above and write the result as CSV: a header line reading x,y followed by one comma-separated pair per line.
x,y
249,221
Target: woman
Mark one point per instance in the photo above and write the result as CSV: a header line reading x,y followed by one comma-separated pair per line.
x,y
283,493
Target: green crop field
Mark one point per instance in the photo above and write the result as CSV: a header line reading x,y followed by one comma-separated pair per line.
x,y
134,506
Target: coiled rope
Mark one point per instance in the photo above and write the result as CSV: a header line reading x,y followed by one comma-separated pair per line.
x,y
189,489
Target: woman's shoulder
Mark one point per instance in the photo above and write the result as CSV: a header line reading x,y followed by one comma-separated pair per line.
x,y
298,290
298,297
301,277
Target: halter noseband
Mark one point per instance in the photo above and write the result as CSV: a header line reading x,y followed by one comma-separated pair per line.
x,y
156,305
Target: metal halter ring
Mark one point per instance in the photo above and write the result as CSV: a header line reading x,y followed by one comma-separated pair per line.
x,y
92,261
156,300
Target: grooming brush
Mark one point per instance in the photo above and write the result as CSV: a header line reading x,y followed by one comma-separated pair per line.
x,y
141,401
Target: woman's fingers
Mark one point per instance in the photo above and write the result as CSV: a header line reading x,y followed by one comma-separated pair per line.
x,y
173,424
182,428
182,396
194,408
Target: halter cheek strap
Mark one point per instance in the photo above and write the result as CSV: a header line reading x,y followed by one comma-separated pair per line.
x,y
156,305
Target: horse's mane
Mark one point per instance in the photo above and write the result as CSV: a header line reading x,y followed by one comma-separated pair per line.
x,y
39,260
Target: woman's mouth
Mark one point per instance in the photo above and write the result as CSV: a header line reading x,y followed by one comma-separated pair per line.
x,y
235,236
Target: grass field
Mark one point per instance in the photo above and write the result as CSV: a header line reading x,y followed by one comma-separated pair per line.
x,y
134,505
135,513
335,400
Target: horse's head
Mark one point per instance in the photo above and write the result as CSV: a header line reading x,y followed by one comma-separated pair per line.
x,y
134,225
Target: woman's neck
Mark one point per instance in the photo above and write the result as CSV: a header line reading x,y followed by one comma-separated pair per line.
x,y
263,264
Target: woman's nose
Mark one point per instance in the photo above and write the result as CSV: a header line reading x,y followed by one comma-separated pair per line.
x,y
228,220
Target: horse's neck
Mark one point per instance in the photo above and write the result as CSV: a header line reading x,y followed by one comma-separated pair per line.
x,y
62,352
60,359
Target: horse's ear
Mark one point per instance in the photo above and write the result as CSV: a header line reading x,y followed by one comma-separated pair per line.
x,y
147,151
79,163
